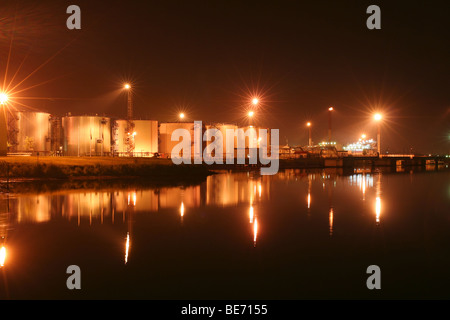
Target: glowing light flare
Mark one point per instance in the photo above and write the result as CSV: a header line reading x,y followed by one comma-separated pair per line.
x,y
2,256
309,200
378,117
182,115
308,124
3,98
127,247
127,86
363,136
134,198
330,109
251,113
255,101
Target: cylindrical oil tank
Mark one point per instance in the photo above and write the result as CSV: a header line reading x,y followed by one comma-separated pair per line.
x,y
32,132
165,135
145,137
223,127
87,135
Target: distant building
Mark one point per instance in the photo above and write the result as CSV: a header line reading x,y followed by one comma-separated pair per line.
x,y
362,147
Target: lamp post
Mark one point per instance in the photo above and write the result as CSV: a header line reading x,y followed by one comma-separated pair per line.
x,y
3,128
251,113
250,117
308,124
130,124
378,118
330,110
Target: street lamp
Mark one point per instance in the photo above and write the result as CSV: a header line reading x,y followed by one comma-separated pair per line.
x,y
130,123
250,115
255,101
330,109
3,125
378,118
181,116
308,124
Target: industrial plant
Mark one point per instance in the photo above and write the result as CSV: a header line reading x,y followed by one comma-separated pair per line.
x,y
40,133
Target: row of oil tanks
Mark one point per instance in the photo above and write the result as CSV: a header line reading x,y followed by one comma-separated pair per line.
x,y
40,133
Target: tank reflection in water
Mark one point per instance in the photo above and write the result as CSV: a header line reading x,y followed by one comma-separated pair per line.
x,y
298,234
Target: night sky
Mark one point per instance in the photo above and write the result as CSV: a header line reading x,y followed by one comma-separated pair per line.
x,y
209,58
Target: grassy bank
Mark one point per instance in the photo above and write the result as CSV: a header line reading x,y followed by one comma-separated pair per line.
x,y
64,168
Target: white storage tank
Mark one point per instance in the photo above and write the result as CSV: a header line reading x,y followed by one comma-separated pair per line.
x,y
87,135
32,132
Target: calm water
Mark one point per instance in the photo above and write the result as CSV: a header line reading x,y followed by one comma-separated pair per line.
x,y
297,235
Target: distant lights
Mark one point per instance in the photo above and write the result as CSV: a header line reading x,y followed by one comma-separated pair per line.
x,y
361,145
127,86
255,101
324,143
377,117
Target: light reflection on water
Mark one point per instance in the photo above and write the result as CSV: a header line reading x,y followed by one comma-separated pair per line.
x,y
220,190
328,198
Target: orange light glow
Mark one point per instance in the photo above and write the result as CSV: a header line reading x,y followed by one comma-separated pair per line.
x,y
308,124
182,209
127,86
2,256
127,247
378,209
250,213
309,200
251,113
330,218
377,117
255,101
181,115
255,232
3,98
330,109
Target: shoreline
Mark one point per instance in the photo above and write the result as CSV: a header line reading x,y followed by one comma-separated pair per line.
x,y
18,169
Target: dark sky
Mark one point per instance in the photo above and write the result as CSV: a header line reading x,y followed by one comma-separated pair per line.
x,y
208,58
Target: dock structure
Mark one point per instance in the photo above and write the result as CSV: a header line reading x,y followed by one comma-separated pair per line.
x,y
365,161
